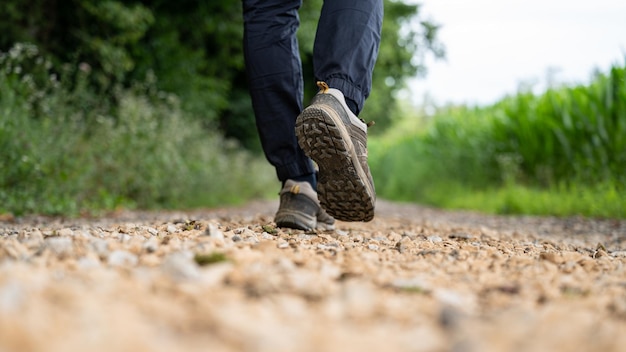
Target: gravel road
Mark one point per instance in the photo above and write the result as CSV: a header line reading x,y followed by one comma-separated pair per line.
x,y
414,279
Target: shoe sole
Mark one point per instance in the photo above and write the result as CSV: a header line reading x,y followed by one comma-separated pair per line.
x,y
342,189
295,220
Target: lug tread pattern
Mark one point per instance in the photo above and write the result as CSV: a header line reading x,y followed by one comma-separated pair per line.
x,y
342,193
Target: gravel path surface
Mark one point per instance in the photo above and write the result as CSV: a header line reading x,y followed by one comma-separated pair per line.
x,y
414,279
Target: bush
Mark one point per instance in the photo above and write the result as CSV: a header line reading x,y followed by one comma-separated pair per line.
x,y
65,150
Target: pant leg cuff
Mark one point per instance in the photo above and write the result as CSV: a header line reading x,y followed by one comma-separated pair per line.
x,y
290,171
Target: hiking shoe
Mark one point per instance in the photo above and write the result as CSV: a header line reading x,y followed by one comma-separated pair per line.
x,y
300,209
331,135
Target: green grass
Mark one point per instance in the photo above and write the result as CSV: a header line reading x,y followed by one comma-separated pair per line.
x,y
559,153
68,150
602,201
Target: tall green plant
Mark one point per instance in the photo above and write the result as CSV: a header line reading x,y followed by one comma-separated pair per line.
x,y
569,139
566,133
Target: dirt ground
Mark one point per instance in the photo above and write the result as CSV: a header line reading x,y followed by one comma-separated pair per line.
x,y
414,279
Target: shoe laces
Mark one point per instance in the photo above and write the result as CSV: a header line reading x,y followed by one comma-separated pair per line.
x,y
323,86
295,189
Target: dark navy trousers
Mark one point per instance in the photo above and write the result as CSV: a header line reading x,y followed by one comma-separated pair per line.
x,y
344,54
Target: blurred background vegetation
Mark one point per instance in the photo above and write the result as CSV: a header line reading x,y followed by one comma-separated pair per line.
x,y
562,152
128,103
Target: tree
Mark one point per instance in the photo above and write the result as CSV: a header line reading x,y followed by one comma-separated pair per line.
x,y
193,49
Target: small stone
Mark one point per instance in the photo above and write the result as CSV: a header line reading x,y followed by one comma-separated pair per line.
x,y
450,317
152,231
333,247
251,238
60,246
434,239
120,258
372,247
84,234
100,246
214,232
550,257
180,266
171,228
404,244
461,236
86,263
341,232
308,237
65,232
394,237
151,245
464,302
619,254
600,253
409,234
236,238
34,238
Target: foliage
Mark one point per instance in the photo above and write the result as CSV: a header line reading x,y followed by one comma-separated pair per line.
x,y
140,152
568,143
194,49
136,102
567,133
406,40
99,33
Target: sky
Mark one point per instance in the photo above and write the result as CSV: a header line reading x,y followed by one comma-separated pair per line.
x,y
493,46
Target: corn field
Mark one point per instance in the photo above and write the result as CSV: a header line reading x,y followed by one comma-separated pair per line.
x,y
566,134
567,139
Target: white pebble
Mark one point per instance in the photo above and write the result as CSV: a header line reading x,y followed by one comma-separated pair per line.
x,y
180,266
372,247
59,245
122,258
434,239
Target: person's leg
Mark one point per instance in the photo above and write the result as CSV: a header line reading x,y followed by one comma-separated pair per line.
x,y
329,131
276,87
346,47
275,81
